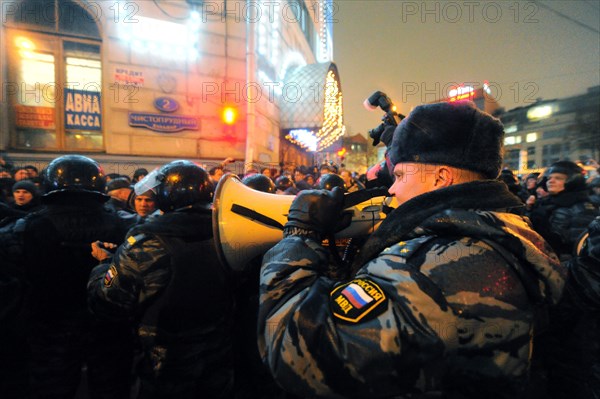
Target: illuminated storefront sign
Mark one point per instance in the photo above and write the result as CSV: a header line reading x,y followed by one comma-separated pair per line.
x,y
34,117
82,110
163,123
304,138
461,93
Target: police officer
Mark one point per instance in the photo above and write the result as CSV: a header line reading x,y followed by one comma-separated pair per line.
x,y
563,216
51,248
447,289
569,351
167,275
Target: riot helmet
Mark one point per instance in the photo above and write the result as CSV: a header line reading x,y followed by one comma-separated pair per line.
x,y
575,178
331,180
284,182
260,182
74,174
177,185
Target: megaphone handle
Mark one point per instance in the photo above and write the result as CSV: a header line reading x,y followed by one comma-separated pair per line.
x,y
359,196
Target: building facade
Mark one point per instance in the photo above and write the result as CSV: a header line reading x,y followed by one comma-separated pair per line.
x,y
139,83
551,130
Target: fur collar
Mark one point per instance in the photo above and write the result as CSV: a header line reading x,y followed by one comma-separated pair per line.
x,y
487,195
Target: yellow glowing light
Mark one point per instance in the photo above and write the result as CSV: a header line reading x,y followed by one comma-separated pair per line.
x,y
78,136
333,127
540,112
24,43
229,115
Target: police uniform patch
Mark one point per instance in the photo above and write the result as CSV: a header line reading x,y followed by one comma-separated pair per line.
x,y
355,300
110,275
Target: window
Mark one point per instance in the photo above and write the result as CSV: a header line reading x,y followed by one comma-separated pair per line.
x,y
554,134
303,18
512,140
531,137
513,155
530,151
56,75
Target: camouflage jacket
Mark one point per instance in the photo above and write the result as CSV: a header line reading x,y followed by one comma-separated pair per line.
x,y
167,276
447,304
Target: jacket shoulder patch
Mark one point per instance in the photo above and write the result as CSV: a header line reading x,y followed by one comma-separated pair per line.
x,y
354,301
405,249
110,276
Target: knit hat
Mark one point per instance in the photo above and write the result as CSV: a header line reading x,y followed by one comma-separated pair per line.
x,y
117,183
454,134
26,185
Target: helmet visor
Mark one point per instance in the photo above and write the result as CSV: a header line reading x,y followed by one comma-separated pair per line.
x,y
148,183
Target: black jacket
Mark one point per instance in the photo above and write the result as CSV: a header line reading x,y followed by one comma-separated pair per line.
x,y
167,275
562,218
46,261
444,303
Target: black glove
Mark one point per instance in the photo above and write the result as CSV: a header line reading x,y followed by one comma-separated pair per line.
x,y
317,212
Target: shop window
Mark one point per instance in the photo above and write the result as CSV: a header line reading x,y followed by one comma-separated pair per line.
x,y
55,74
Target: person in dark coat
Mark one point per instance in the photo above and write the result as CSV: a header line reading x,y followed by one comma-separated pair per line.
x,y
563,216
445,295
26,196
50,251
569,351
508,177
120,192
168,277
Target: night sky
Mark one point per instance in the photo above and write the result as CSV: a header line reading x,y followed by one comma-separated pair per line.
x,y
415,50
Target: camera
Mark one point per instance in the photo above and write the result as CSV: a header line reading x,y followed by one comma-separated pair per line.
x,y
384,132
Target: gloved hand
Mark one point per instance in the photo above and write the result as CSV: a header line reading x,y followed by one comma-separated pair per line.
x,y
318,211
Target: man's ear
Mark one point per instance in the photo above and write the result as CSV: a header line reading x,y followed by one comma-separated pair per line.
x,y
444,177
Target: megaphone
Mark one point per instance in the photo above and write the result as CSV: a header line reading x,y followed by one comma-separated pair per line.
x,y
247,223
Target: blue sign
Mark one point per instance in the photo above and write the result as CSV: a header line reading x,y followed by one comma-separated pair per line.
x,y
166,104
82,110
163,123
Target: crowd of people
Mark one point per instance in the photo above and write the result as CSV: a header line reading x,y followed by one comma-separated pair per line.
x,y
478,283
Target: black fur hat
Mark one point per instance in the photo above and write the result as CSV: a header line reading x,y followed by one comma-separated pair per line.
x,y
455,134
